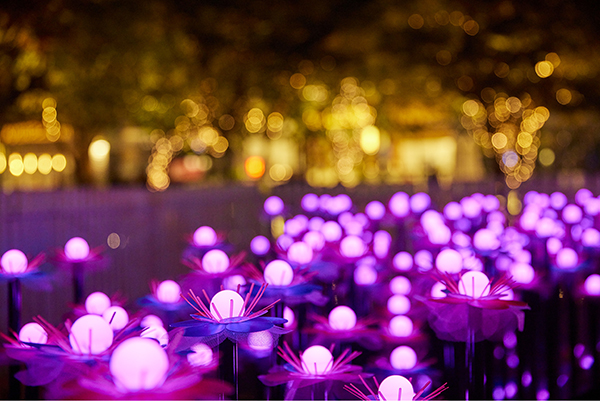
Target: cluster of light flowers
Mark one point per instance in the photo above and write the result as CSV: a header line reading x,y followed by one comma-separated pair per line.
x,y
332,275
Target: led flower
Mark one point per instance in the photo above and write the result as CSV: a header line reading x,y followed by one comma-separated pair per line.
x,y
228,315
14,264
393,388
343,325
77,252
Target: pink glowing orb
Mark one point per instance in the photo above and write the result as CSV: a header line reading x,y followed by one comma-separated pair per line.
x,y
33,333
486,240
273,205
461,239
403,358
567,258
151,320
419,202
90,334
396,388
490,203
572,214
558,200
315,223
138,364
205,236
353,227
342,318
310,202
441,235
97,302
399,204
168,292
471,208
375,210
592,285
431,219
279,272
398,304
522,273
215,261
401,326
352,246
496,227
284,241
314,239
449,261
332,231
365,274
226,304
260,245
77,249
545,227
288,314
116,317
338,204
232,282
300,252
453,211
424,259
590,237
508,294
158,333
14,261
592,207
316,360
296,225
529,219
260,341
400,285
381,243
582,196
403,261
201,355
474,284
437,290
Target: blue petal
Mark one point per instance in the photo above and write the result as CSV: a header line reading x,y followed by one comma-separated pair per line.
x,y
195,328
250,326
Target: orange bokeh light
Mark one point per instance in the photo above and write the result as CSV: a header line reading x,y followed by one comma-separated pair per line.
x,y
254,166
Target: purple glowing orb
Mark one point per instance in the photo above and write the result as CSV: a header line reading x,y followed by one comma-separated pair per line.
x,y
567,258
365,274
14,261
342,318
592,285
424,259
453,211
522,273
273,206
352,246
471,207
403,358
97,302
158,333
205,236
375,210
77,249
558,200
201,355
90,335
116,317
403,261
316,360
168,292
474,284
398,305
401,326
419,202
437,290
486,240
151,320
400,285
572,214
279,273
232,282
215,261
33,333
381,243
226,304
300,252
399,204
332,231
288,314
396,388
315,239
260,245
449,261
138,364
310,202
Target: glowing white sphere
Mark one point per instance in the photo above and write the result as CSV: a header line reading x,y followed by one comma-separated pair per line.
x,y
315,223
558,200
139,364
316,360
97,302
449,261
419,202
375,210
440,235
168,292
158,333
365,274
471,207
352,246
232,282
260,341
310,202
403,261
273,205
332,231
205,236
14,261
553,245
381,243
260,245
592,285
453,211
201,355
226,304
400,285
117,317
522,273
300,252
572,214
403,358
215,261
590,237
284,241
77,249
567,258
279,272
33,333
423,259
474,284
396,388
399,204
288,314
342,318
437,290
315,239
401,326
90,334
398,304
151,320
